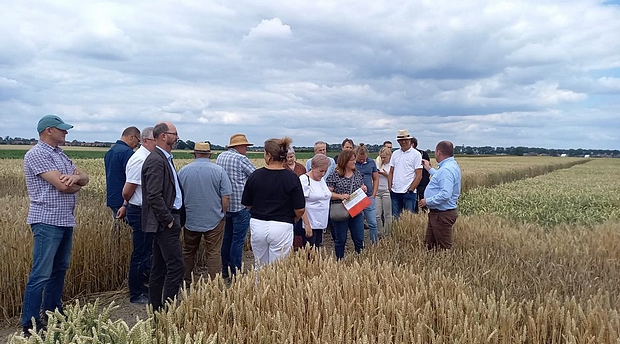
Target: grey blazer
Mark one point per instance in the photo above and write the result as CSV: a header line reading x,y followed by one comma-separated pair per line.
x,y
158,192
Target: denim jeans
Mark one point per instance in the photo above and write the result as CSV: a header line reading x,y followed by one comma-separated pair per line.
x,y
140,264
235,233
114,211
403,201
356,225
370,213
51,256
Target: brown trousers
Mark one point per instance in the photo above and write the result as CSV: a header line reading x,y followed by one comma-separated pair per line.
x,y
439,229
213,243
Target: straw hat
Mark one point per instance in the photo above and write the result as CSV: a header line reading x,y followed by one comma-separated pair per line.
x,y
202,147
403,134
239,140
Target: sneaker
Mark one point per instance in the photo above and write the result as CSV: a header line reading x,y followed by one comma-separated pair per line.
x,y
140,300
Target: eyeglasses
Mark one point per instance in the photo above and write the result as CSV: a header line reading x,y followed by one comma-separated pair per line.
x,y
170,133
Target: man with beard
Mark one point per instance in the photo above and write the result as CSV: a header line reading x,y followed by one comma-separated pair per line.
x,y
162,200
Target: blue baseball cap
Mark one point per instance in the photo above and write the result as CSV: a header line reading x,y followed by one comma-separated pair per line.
x,y
52,121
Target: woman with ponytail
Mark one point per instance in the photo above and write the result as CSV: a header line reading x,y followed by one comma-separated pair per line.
x,y
276,201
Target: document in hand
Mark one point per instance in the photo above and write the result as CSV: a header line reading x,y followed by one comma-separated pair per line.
x,y
357,202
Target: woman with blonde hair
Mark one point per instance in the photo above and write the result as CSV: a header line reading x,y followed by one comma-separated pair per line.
x,y
344,180
276,201
368,168
383,200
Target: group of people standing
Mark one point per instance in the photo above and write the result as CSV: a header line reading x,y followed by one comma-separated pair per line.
x,y
283,204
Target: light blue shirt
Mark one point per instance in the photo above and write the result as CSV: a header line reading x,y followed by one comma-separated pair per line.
x,y
330,169
204,184
178,200
444,189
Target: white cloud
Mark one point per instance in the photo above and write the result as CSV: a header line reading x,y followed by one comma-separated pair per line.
x,y
186,105
609,83
270,28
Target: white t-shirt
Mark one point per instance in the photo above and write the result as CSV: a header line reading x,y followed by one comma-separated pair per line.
x,y
405,164
383,180
317,196
133,173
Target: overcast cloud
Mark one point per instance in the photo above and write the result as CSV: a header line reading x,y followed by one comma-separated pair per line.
x,y
499,73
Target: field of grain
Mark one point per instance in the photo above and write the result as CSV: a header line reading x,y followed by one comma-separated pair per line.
x,y
535,261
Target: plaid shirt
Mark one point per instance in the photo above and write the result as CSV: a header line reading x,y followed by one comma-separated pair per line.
x,y
238,167
47,204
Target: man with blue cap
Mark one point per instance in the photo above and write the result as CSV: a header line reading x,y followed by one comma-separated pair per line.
x,y
52,181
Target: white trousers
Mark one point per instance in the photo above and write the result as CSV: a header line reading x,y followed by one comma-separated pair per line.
x,y
271,240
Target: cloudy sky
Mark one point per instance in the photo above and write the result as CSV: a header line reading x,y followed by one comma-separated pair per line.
x,y
533,73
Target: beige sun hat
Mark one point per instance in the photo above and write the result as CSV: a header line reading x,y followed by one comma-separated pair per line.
x,y
403,134
239,140
202,147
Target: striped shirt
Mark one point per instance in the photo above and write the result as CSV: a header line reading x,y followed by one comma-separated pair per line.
x,y
47,204
239,168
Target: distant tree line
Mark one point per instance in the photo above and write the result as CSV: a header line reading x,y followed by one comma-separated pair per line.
x,y
521,151
335,147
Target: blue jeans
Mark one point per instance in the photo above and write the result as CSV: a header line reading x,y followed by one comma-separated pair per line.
x,y
356,225
403,201
140,264
114,211
50,260
235,233
370,212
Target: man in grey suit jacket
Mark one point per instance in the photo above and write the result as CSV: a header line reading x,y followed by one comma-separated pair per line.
x,y
162,200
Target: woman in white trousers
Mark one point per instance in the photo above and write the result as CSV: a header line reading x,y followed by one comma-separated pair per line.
x,y
274,196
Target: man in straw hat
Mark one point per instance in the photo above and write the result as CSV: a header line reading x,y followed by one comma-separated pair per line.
x,y
405,175
52,182
239,168
206,198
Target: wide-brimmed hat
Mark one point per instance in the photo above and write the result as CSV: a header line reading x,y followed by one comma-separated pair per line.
x,y
202,147
403,134
52,121
239,140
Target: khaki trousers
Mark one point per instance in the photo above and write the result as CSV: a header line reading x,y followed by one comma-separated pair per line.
x,y
213,248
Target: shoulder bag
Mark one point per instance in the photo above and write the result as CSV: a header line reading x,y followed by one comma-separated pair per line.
x,y
337,211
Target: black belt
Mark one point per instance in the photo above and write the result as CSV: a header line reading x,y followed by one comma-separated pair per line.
x,y
133,206
175,211
440,211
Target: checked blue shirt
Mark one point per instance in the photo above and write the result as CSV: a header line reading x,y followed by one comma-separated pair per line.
x,y
239,168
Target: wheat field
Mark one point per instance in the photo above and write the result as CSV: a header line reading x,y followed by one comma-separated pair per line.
x,y
536,260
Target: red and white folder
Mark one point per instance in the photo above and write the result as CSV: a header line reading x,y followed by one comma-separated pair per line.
x,y
357,202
